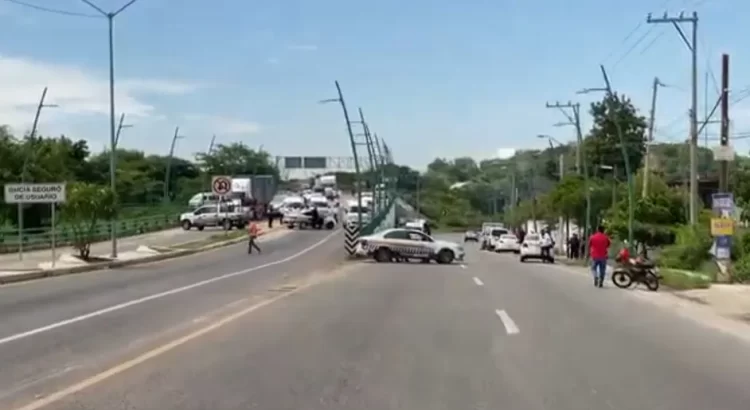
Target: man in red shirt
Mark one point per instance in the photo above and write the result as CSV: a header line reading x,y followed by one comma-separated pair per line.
x,y
599,252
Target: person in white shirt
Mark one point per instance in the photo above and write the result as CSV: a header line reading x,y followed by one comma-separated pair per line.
x,y
547,244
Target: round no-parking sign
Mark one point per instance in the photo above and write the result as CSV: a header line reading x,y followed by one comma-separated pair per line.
x,y
221,185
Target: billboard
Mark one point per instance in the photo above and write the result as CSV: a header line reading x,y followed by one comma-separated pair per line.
x,y
314,162
292,162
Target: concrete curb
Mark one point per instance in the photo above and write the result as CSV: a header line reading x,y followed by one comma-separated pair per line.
x,y
40,274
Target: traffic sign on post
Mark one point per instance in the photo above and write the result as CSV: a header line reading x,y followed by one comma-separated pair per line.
x,y
221,185
51,193
34,193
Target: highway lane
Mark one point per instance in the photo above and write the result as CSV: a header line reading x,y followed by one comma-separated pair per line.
x,y
490,334
56,329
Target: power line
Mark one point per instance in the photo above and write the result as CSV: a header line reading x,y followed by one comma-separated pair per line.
x,y
633,47
51,10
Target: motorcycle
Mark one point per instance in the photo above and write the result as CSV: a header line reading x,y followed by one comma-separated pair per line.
x,y
637,272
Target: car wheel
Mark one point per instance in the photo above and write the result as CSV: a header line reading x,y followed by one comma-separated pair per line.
x,y
383,255
445,257
200,227
330,225
186,225
523,259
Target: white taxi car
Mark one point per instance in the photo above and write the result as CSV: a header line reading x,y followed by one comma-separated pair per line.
x,y
405,244
507,243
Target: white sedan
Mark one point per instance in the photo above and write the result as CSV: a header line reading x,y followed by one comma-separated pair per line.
x,y
531,248
507,243
405,244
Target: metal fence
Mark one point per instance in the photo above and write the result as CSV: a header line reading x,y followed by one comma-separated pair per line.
x,y
41,238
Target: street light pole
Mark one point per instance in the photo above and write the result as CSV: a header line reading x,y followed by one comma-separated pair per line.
x,y
112,155
120,126
341,101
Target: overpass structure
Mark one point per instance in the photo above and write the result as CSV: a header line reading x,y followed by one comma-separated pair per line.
x,y
302,167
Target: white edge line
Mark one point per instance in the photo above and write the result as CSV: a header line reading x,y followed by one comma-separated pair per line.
x,y
160,295
510,325
478,281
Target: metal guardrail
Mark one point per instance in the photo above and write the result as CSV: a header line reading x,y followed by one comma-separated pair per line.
x,y
36,239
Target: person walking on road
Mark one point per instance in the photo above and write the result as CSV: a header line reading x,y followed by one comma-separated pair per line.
x,y
252,234
599,251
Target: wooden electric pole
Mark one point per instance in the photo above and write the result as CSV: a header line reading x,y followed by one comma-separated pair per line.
x,y
724,164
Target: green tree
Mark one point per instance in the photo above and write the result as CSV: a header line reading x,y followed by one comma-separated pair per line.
x,y
86,206
656,216
602,145
237,159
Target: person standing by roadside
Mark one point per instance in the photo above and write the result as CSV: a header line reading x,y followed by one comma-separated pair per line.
x,y
574,246
599,251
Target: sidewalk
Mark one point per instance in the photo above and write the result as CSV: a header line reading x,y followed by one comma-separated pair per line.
x,y
32,260
728,301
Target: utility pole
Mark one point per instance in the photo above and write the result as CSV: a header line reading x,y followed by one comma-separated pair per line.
x,y
650,140
120,126
169,163
208,153
693,47
579,138
581,162
723,163
27,155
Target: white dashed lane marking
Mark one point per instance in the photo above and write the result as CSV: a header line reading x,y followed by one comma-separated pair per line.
x,y
478,281
510,325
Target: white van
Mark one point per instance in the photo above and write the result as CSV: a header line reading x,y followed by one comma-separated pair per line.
x,y
202,198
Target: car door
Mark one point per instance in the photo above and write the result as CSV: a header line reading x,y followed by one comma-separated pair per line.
x,y
401,242
209,216
422,242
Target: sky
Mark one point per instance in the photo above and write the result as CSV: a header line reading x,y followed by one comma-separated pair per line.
x,y
436,78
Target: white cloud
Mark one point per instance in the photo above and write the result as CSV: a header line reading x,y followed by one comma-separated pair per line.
x,y
303,47
505,153
224,125
75,91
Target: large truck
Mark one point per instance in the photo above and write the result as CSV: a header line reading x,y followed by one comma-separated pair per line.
x,y
327,185
253,192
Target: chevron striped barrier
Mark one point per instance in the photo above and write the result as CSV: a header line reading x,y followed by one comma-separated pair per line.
x,y
351,237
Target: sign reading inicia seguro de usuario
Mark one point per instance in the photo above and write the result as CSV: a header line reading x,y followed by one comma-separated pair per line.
x,y
47,193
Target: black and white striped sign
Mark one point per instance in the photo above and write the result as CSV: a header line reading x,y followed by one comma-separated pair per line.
x,y
351,236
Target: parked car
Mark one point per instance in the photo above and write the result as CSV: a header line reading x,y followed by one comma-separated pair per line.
x,y
490,236
225,216
508,243
531,248
472,236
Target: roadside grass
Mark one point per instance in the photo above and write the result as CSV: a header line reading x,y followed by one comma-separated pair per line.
x,y
684,280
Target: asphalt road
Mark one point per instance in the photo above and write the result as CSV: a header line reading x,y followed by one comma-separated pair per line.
x,y
491,334
59,329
